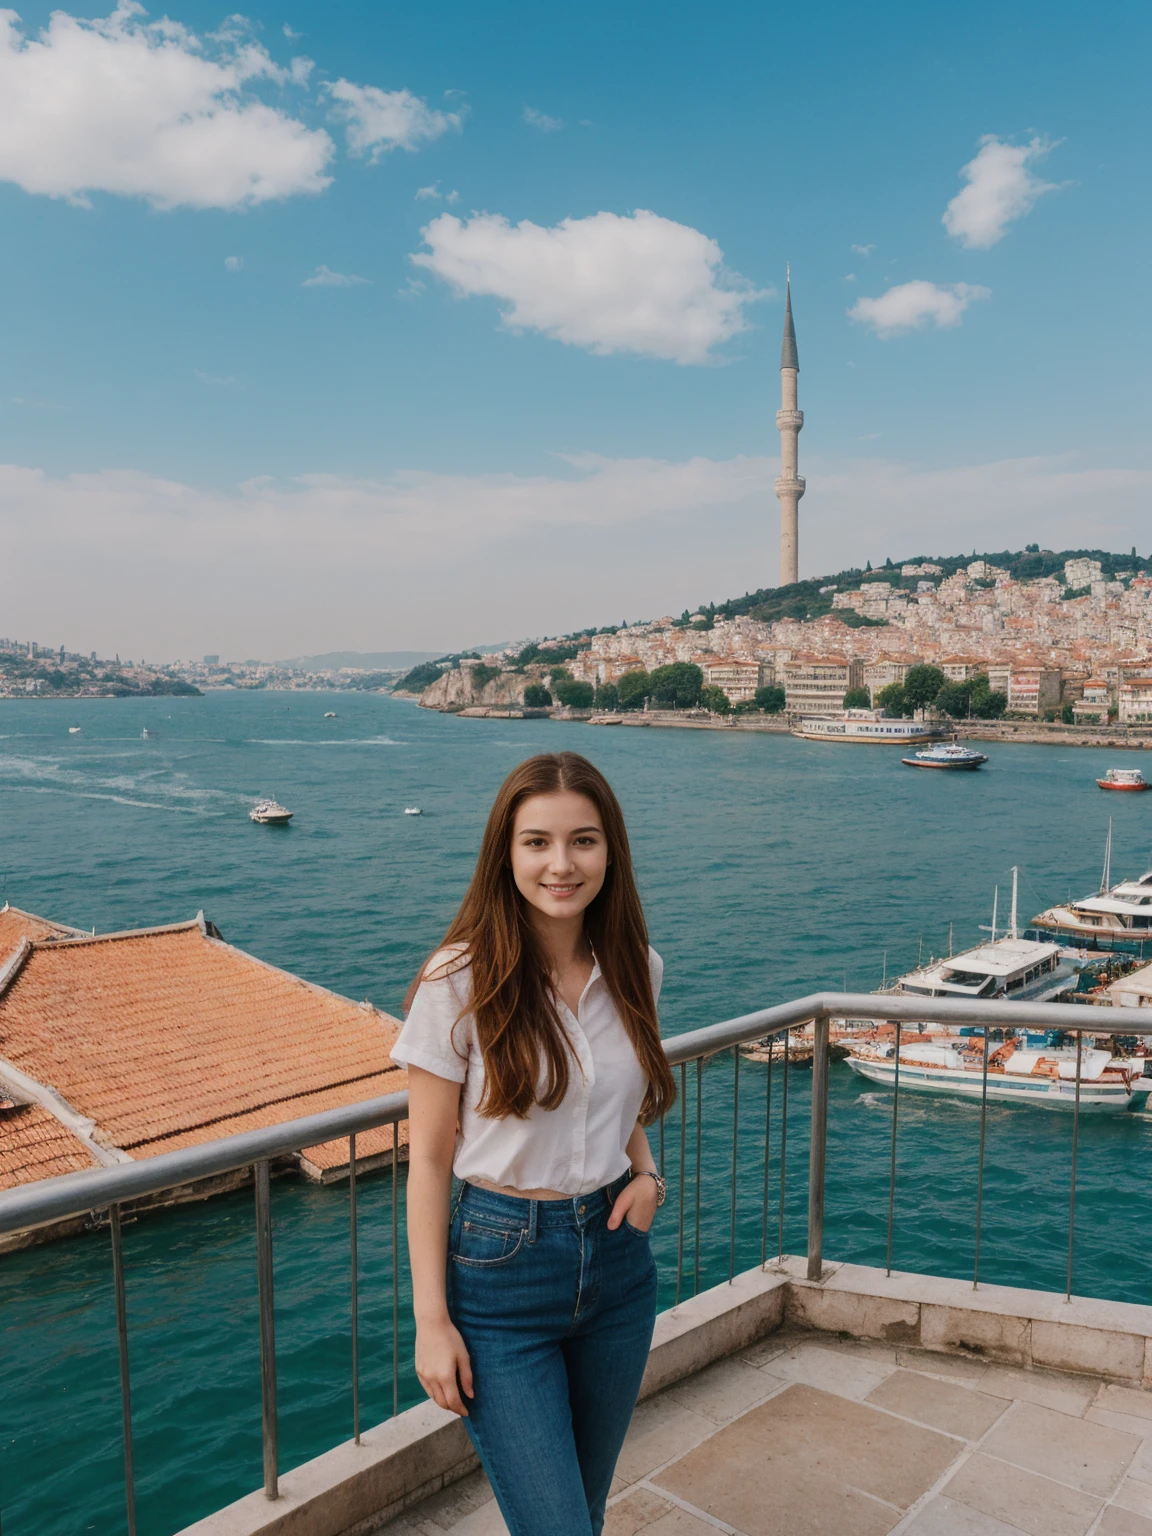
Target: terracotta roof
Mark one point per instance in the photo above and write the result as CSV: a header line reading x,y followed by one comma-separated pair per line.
x,y
16,925
168,1037
34,1145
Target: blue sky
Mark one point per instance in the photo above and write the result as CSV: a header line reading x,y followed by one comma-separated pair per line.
x,y
543,393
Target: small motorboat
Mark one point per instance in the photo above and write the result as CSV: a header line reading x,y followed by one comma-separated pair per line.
x,y
1124,778
413,810
146,734
73,730
329,714
270,813
946,754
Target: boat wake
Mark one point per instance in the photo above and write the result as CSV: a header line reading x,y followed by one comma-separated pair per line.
x,y
364,741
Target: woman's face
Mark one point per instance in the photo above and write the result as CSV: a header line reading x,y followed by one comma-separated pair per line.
x,y
559,853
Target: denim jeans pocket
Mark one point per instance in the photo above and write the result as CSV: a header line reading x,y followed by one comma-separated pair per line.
x,y
635,1231
484,1244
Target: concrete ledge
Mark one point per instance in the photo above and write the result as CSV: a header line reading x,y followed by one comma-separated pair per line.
x,y
354,1490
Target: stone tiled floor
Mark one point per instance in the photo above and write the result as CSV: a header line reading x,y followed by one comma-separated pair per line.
x,y
804,1435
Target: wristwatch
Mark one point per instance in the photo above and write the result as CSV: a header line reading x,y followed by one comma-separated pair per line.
x,y
661,1187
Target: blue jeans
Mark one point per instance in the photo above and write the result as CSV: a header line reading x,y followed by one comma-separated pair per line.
x,y
557,1313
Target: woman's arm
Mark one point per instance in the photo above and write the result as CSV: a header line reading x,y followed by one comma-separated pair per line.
x,y
441,1357
637,1200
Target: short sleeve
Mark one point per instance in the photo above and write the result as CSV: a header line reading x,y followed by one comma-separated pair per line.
x,y
656,971
430,1039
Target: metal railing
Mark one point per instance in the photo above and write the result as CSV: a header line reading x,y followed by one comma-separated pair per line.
x,y
70,1195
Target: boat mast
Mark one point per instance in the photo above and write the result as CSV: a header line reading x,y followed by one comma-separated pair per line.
x,y
1012,921
1107,875
995,899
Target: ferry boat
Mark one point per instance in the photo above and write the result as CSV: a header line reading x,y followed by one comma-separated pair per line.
x,y
1031,1071
1124,779
270,813
865,725
948,755
1115,917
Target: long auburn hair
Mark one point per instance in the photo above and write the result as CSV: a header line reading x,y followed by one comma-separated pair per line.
x,y
512,998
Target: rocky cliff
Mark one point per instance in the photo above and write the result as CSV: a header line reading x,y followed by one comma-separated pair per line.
x,y
455,690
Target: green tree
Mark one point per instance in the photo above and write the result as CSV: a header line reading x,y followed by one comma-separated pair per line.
x,y
955,699
677,686
482,675
746,707
607,696
770,698
560,675
633,688
921,685
892,700
857,698
716,700
1067,716
572,693
536,696
419,678
987,703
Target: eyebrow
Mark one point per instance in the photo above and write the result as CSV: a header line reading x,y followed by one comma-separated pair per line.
x,y
540,831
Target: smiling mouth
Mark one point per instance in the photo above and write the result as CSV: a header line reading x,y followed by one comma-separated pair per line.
x,y
561,890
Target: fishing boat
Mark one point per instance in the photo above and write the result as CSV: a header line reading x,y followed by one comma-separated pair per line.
x,y
73,730
1114,917
949,755
270,813
1124,779
413,810
1027,1071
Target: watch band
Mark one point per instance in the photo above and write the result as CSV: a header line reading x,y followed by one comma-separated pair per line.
x,y
661,1186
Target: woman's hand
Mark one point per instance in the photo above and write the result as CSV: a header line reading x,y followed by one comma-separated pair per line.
x,y
637,1202
443,1366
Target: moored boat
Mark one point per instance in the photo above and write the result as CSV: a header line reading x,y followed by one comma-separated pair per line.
x,y
270,813
1116,917
949,755
865,725
1130,779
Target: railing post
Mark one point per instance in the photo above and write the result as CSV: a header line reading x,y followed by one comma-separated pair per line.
x,y
267,1330
817,1149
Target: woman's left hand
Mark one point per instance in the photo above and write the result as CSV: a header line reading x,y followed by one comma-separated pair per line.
x,y
637,1202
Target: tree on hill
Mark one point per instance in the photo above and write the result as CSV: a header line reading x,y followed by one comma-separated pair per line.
x,y
857,698
770,698
921,685
419,678
677,686
892,700
716,700
536,696
955,699
633,688
573,694
607,696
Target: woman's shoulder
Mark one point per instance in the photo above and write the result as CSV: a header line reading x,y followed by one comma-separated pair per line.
x,y
655,968
447,965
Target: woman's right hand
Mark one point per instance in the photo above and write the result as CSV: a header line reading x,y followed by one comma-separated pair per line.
x,y
443,1366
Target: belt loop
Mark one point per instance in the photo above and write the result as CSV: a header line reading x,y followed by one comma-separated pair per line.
x,y
532,1204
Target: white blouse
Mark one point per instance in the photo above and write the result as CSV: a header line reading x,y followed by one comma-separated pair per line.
x,y
574,1149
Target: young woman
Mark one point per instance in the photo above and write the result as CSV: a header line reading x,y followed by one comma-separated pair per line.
x,y
534,1062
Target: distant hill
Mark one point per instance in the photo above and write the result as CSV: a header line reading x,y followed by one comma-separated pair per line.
x,y
370,661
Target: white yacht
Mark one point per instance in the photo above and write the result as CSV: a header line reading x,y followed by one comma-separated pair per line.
x,y
270,813
73,730
1114,917
413,810
1019,1072
1020,969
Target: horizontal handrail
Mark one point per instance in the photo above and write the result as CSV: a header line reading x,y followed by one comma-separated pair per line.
x,y
74,1194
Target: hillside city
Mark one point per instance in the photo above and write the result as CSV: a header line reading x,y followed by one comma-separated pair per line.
x,y
1030,634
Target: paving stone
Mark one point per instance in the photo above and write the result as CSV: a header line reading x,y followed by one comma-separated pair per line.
x,y
1136,1496
1050,1389
1072,1451
829,1369
678,1522
808,1462
451,1504
723,1390
944,1517
1124,1400
1021,1499
1122,1522
1142,1462
660,1430
637,1512
1128,1422
485,1521
933,1363
962,1411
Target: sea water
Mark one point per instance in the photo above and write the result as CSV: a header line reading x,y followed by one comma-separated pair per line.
x,y
769,867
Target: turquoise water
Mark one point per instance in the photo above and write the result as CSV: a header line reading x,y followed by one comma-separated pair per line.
x,y
769,867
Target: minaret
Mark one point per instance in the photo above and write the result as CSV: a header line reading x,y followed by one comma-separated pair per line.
x,y
789,420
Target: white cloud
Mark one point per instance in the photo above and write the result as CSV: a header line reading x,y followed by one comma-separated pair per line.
x,y
130,562
611,283
850,277
909,306
324,277
293,37
1001,187
233,263
863,250
377,121
149,109
542,121
428,194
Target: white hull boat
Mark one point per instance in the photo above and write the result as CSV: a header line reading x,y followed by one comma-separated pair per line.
x,y
270,813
